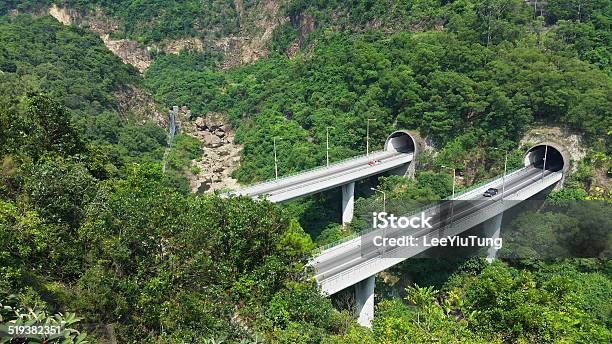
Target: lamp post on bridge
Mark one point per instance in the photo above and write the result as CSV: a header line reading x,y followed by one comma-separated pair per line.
x,y
368,135
275,160
544,167
452,168
453,195
384,211
384,198
327,145
505,169
545,152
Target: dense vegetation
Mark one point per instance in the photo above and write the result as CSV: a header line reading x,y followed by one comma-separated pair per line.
x,y
133,251
90,225
73,66
160,265
581,28
492,72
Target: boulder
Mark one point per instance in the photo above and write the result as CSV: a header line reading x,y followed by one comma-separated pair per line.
x,y
206,179
204,187
214,120
211,140
200,123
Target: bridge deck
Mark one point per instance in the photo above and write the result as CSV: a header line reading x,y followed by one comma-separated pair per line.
x,y
348,263
325,178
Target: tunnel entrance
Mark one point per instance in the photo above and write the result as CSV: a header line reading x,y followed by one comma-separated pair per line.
x,y
555,161
401,142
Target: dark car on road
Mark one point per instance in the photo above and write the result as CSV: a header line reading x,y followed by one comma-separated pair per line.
x,y
490,192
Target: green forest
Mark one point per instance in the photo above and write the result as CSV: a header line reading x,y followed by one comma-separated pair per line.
x,y
95,233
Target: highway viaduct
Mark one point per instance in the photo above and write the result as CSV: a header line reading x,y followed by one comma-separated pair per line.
x,y
355,262
398,157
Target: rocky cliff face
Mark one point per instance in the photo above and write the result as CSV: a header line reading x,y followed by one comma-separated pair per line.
x,y
256,27
133,101
130,52
61,14
221,156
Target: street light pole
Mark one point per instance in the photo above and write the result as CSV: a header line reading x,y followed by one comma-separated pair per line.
x,y
368,135
454,183
544,167
384,211
504,176
452,197
327,145
384,198
505,171
275,160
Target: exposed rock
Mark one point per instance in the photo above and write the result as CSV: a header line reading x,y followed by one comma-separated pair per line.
x,y
293,49
220,132
200,123
176,46
252,42
214,120
129,51
61,14
140,103
306,23
257,24
98,22
211,140
220,157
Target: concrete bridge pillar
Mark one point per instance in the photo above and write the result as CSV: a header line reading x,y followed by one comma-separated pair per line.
x,y
492,229
364,301
348,202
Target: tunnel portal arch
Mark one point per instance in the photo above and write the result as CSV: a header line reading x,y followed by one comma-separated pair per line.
x,y
557,157
402,141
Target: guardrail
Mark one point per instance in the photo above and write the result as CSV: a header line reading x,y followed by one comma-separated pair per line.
x,y
314,169
491,180
497,204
